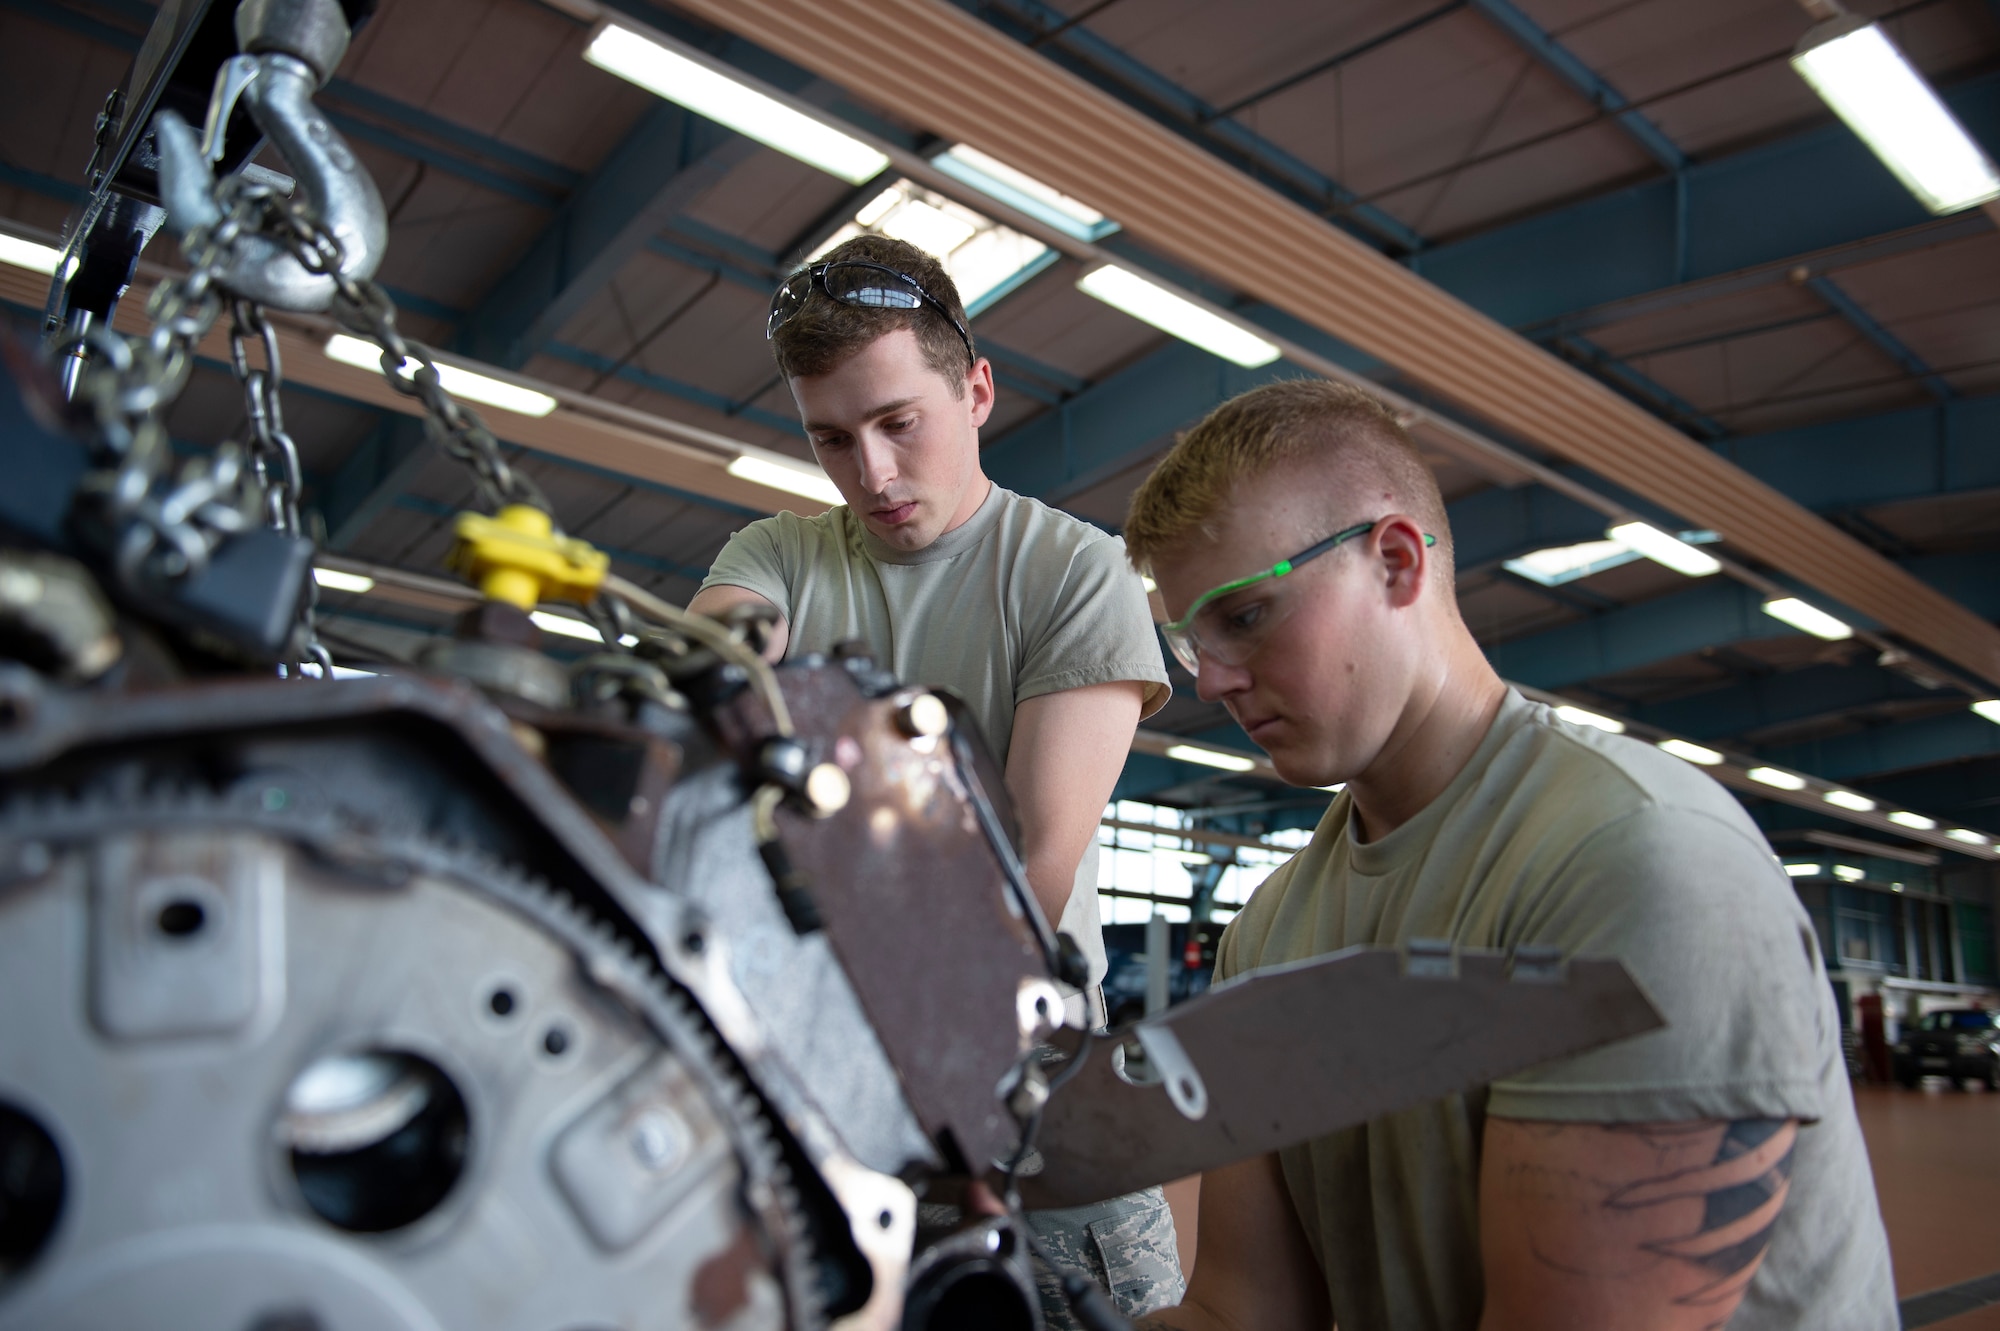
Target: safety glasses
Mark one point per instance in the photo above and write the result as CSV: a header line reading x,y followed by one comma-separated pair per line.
x,y
1231,634
867,286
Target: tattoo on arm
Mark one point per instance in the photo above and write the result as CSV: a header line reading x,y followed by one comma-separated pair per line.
x,y
1740,1190
1656,1225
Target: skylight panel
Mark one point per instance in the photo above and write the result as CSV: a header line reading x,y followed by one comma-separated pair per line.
x,y
1022,192
985,259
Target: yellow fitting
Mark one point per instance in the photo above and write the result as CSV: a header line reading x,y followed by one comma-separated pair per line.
x,y
516,557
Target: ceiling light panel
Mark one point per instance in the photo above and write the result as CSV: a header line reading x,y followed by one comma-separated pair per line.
x,y
1689,752
728,100
1990,709
1847,799
467,384
29,254
1809,618
1858,71
1776,778
1581,717
1802,870
1170,312
334,580
1228,762
985,259
797,480
1663,548
1904,818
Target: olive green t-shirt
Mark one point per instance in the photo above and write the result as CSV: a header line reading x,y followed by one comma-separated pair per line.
x,y
1018,601
1566,836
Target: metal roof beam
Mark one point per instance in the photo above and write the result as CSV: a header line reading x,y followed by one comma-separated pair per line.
x,y
668,160
1568,67
1780,699
1899,747
381,467
1710,613
1155,95
1759,210
1878,333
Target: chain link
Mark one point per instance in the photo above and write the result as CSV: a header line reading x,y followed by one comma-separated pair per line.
x,y
365,309
163,528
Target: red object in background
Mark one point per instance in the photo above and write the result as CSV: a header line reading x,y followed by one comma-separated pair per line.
x,y
1191,954
1874,1038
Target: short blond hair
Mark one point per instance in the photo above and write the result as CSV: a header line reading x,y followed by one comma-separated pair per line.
x,y
1292,420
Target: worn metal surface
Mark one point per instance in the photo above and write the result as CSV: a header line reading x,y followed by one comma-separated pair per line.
x,y
917,909
1298,1051
227,963
422,761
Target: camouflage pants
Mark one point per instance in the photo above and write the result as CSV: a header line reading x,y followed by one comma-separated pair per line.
x,y
1126,1245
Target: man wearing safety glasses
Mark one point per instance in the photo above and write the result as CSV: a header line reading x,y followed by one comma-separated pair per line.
x,y
1709,1173
1031,617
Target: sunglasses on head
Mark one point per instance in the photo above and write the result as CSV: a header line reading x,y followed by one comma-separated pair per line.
x,y
865,286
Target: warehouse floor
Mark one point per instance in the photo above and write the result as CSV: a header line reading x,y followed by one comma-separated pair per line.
x,y
1936,1155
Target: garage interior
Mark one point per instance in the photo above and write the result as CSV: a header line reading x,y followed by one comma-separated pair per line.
x,y
1614,261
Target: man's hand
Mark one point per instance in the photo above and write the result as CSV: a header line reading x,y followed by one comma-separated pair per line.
x,y
1607,1226
1253,1270
1067,751
717,602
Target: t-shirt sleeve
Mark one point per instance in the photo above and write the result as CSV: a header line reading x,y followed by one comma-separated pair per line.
x,y
1099,631
754,559
1708,925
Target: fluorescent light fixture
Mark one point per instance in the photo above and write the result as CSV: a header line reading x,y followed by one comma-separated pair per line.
x,y
1916,820
1855,68
1802,870
1990,709
1661,548
1689,752
783,476
29,254
985,260
1190,856
1228,762
1149,302
1023,193
1847,799
1578,716
564,626
1772,776
1968,836
1810,618
459,383
709,92
335,580
1566,563
1847,873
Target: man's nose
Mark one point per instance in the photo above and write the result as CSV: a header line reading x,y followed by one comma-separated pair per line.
x,y
877,460
1215,681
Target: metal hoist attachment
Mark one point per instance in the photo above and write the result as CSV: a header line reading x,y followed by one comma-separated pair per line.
x,y
517,557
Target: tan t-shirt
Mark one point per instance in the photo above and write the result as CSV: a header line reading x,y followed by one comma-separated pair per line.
x,y
1018,601
1566,836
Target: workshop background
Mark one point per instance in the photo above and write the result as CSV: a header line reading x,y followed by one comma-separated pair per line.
x,y
1615,261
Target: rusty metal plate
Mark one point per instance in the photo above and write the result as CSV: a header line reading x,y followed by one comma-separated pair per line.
x,y
915,905
1292,1053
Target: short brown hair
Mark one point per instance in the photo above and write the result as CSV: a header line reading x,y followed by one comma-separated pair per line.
x,y
825,333
1266,427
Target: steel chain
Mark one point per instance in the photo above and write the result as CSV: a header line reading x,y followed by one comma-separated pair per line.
x,y
164,525
365,309
165,528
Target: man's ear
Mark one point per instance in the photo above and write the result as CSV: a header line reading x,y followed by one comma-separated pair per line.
x,y
1398,541
979,387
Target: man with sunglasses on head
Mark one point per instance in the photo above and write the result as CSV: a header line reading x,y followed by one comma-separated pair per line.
x,y
1033,618
1705,1174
